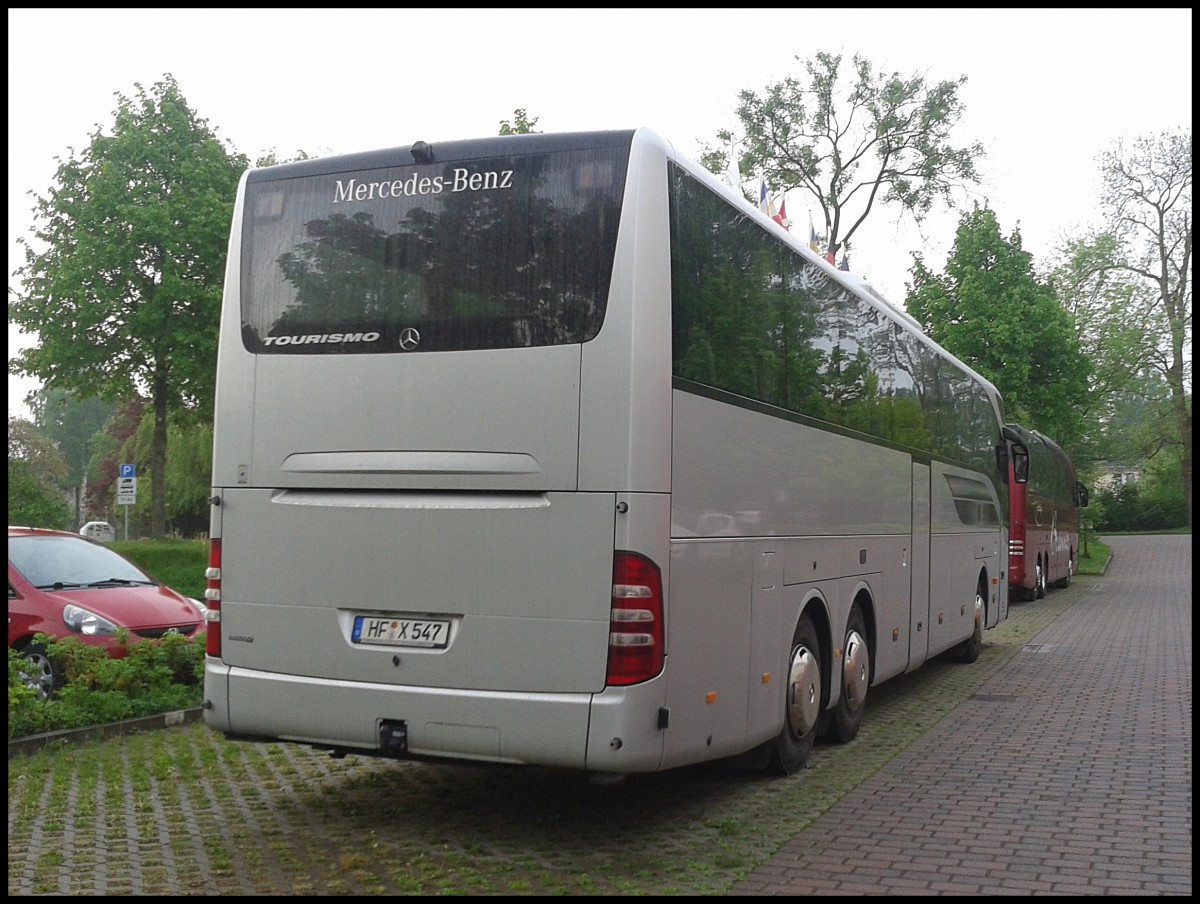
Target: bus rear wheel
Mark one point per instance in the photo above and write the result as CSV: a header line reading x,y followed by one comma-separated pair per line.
x,y
1064,583
802,702
847,716
1039,590
969,649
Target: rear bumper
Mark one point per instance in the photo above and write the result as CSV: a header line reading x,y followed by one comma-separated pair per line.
x,y
614,731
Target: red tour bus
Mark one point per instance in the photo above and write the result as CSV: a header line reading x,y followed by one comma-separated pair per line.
x,y
1043,532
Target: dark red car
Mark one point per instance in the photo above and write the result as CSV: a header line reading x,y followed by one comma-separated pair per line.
x,y
64,585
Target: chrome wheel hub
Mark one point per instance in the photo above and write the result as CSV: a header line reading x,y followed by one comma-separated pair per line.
x,y
804,692
855,672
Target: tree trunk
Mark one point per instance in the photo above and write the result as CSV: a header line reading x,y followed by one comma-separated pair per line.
x,y
1175,303
158,461
1183,421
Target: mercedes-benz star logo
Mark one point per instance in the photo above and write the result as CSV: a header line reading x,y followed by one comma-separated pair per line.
x,y
410,338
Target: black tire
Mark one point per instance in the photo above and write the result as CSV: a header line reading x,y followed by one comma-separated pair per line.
x,y
968,651
847,715
1064,583
803,696
40,673
1039,590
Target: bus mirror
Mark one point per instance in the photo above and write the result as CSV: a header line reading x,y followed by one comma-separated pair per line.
x,y
1020,454
1081,493
422,152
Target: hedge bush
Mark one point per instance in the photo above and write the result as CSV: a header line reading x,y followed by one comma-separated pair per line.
x,y
156,676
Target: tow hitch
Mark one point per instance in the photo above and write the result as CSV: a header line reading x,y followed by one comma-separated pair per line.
x,y
393,737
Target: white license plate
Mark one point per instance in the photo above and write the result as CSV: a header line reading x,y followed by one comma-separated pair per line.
x,y
400,632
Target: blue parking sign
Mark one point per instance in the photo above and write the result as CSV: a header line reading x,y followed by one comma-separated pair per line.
x,y
126,471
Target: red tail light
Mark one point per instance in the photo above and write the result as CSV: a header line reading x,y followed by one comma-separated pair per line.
x,y
635,631
212,599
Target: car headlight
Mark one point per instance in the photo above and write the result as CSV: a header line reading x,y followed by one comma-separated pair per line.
x,y
199,605
81,621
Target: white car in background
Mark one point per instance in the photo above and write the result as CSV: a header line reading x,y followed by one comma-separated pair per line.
x,y
99,530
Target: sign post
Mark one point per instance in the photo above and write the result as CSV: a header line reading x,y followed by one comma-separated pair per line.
x,y
126,491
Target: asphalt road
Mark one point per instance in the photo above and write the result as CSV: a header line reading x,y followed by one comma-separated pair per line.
x,y
1059,763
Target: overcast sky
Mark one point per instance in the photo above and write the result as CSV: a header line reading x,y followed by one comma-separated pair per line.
x,y
1048,90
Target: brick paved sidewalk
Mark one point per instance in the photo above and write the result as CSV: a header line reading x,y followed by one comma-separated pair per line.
x,y
1069,771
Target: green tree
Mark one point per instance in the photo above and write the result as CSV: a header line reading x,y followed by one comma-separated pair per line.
x,y
880,138
189,471
990,309
1137,421
1147,198
1162,490
521,124
31,502
107,447
272,158
1098,300
37,477
125,298
1152,503
72,423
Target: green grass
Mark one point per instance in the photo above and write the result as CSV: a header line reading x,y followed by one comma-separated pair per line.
x,y
1093,556
179,564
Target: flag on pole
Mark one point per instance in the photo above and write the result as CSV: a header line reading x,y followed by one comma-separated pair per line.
x,y
763,204
781,217
845,264
813,242
829,255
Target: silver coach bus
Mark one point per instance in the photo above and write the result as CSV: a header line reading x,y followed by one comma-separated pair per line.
x,y
550,449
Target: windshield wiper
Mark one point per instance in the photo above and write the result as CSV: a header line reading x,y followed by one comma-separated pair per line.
x,y
57,585
122,582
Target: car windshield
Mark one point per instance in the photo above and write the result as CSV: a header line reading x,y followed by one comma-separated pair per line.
x,y
51,561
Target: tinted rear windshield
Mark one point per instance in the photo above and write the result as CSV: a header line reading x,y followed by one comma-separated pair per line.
x,y
505,251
